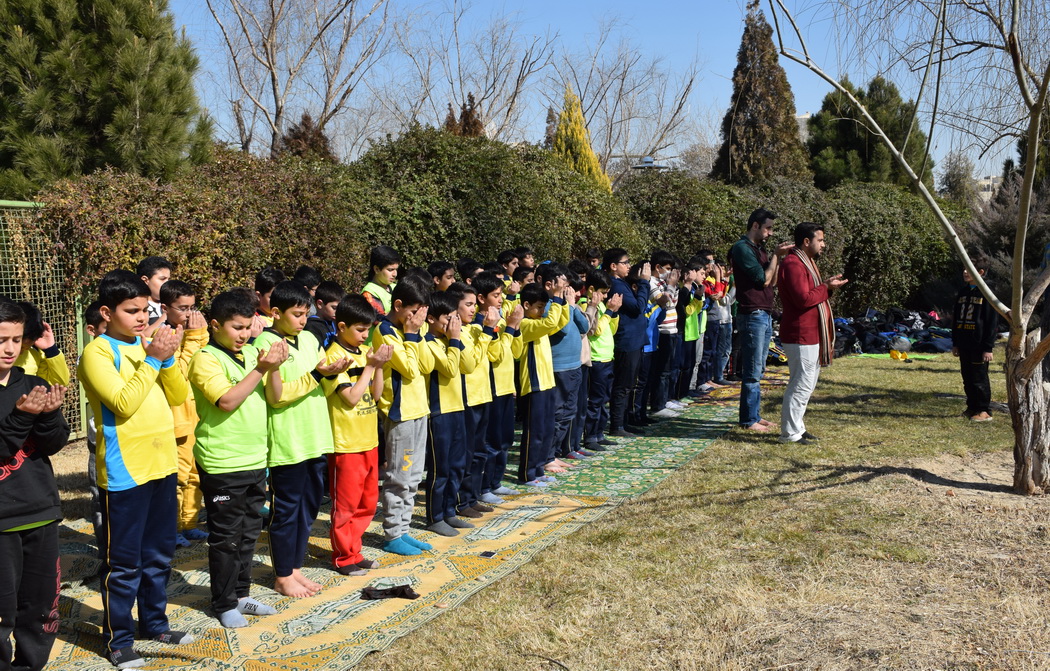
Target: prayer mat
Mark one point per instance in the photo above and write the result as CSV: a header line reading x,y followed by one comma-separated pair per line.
x,y
335,629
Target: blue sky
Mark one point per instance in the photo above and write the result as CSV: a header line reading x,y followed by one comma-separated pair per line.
x,y
677,31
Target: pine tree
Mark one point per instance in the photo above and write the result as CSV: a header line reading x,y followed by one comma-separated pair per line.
x,y
85,85
572,142
842,148
760,137
305,139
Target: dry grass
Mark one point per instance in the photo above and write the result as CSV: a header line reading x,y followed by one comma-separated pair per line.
x,y
894,544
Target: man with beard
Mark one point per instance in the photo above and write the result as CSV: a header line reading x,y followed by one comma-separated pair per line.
x,y
807,329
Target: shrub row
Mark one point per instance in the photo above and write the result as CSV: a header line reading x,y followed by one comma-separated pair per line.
x,y
433,195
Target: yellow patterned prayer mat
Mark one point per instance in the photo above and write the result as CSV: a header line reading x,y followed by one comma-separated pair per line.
x,y
334,630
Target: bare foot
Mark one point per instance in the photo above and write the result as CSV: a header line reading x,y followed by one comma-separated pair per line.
x,y
306,582
551,468
759,426
561,464
766,422
289,586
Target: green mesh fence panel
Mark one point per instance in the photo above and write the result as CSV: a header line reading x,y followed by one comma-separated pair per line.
x,y
30,271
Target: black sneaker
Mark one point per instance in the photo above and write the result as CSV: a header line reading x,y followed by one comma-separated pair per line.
x,y
607,442
596,447
126,658
623,433
806,435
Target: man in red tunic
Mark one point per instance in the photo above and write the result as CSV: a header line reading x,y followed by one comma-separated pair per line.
x,y
807,330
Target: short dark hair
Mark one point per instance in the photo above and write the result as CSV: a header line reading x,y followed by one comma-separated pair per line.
x,y
289,294
92,314
599,279
592,253
409,292
10,312
439,268
268,278
806,230
230,304
467,268
329,292
148,266
492,267
416,274
172,290
534,293
121,285
506,256
461,289
523,251
575,280
613,256
521,272
381,257
486,283
34,321
662,257
579,267
759,217
355,309
981,262
443,303
307,276
703,254
249,294
550,272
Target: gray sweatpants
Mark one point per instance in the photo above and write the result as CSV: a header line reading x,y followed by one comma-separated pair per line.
x,y
406,448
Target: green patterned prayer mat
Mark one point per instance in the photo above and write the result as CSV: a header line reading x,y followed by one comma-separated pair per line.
x,y
334,630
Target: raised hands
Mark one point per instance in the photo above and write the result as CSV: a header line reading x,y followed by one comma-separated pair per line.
x,y
328,369
273,357
836,282
514,288
195,321
614,302
455,327
646,272
39,400
784,248
165,341
47,340
378,357
492,317
416,320
258,326
515,317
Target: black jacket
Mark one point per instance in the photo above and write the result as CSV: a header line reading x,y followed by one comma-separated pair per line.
x,y
28,491
975,322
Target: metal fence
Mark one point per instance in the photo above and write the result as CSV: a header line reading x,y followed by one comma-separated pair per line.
x,y
30,271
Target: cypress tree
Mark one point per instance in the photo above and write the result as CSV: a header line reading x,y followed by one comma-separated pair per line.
x,y
760,137
572,142
85,85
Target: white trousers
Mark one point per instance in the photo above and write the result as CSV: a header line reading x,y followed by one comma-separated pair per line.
x,y
804,369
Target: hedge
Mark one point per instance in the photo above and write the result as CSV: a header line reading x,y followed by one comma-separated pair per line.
x,y
428,193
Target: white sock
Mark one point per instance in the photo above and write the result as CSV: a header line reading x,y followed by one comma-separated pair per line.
x,y
232,619
249,606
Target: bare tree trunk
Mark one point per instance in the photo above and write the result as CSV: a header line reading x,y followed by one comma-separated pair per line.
x,y
1029,402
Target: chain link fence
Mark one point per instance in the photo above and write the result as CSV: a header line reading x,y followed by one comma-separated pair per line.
x,y
30,271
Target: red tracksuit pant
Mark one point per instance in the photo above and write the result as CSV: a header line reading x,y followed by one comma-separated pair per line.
x,y
354,481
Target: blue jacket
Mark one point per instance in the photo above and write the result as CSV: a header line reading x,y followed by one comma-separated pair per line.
x,y
631,336
567,344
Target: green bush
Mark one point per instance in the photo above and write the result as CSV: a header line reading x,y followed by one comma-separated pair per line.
x,y
882,237
428,194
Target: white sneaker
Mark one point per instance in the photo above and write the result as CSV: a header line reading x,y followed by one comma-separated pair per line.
x,y
674,405
666,413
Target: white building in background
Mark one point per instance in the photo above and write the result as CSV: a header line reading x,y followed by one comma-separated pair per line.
x,y
987,186
803,126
